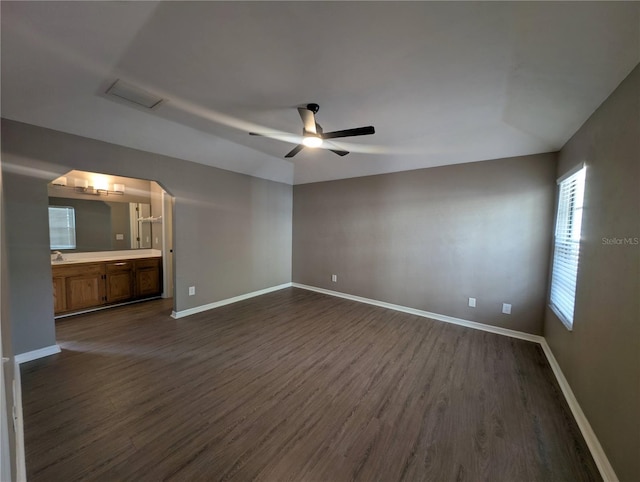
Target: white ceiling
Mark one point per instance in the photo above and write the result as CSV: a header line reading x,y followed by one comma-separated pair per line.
x,y
443,83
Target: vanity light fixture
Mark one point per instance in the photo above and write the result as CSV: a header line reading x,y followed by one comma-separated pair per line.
x,y
81,186
118,189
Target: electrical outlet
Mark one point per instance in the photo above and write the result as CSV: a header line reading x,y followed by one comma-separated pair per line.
x,y
472,302
506,308
119,237
192,290
334,278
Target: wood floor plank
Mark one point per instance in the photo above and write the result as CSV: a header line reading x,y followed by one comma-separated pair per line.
x,y
297,386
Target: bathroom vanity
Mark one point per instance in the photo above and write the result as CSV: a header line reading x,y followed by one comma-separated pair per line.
x,y
94,281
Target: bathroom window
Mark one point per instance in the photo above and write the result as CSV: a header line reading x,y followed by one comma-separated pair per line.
x,y
62,227
566,251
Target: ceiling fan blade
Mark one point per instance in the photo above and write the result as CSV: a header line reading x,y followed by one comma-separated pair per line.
x,y
340,153
295,150
308,119
358,131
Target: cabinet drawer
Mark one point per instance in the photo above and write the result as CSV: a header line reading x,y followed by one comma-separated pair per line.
x,y
148,263
117,266
78,269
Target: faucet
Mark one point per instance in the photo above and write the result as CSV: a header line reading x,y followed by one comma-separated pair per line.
x,y
59,256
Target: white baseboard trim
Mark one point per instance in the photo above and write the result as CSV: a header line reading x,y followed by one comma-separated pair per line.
x,y
35,354
228,301
18,424
427,314
597,452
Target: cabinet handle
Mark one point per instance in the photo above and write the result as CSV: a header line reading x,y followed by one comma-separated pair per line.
x,y
119,264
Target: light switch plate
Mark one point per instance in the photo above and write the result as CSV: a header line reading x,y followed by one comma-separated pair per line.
x,y
506,308
472,302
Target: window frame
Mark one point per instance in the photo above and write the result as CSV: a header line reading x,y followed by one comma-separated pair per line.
x,y
71,227
566,244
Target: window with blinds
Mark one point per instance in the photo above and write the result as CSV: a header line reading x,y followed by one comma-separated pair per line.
x,y
567,245
62,227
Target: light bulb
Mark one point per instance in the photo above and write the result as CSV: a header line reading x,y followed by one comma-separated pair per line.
x,y
100,183
312,141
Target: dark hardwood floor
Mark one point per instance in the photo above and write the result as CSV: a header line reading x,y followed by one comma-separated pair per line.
x,y
294,386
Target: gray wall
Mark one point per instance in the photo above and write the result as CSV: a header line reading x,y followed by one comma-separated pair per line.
x,y
601,356
28,258
7,348
232,231
431,238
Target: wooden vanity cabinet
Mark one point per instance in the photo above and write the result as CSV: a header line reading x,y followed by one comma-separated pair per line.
x,y
89,285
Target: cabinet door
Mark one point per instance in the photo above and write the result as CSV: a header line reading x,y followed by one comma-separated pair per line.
x,y
119,286
148,277
85,291
59,295
119,281
148,281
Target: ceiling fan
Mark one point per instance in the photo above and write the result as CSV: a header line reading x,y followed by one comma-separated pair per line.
x,y
313,136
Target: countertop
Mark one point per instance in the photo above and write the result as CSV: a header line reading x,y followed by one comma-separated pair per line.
x,y
76,258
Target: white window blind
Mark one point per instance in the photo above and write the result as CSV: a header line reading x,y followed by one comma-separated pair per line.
x,y
62,227
567,246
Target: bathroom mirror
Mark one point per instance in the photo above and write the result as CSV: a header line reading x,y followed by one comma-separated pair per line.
x,y
102,225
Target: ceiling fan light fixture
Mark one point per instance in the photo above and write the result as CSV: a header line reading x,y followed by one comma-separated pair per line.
x,y
313,136
312,141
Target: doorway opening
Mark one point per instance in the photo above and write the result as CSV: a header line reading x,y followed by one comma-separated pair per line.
x,y
111,241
